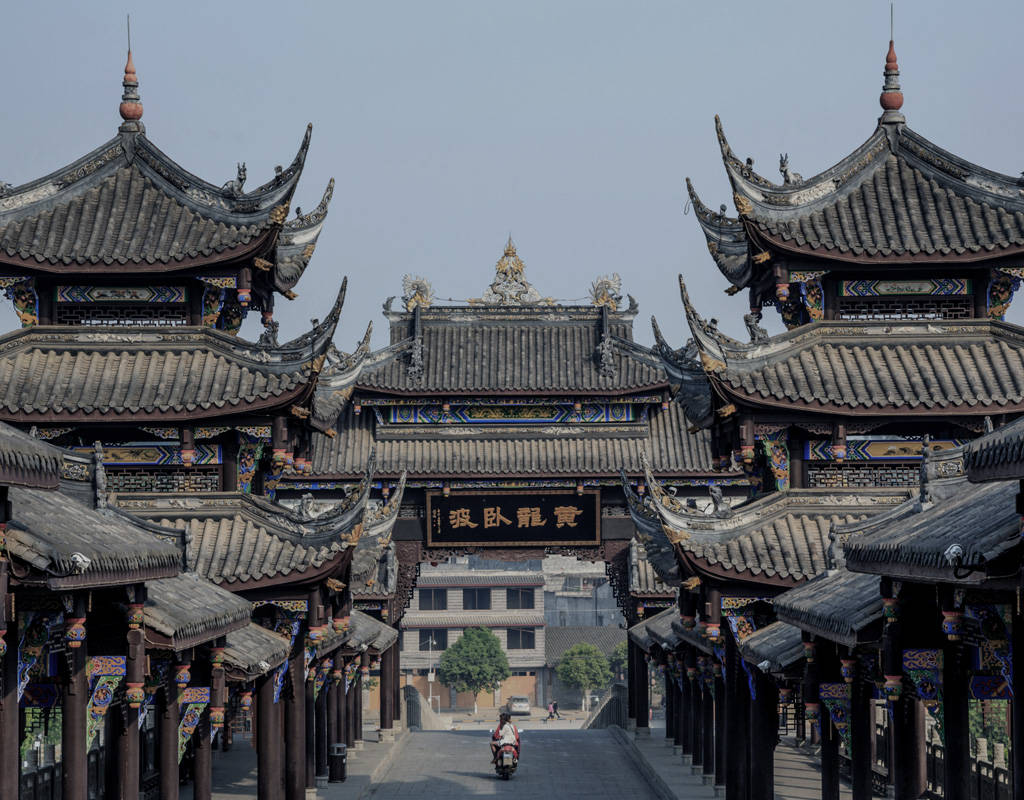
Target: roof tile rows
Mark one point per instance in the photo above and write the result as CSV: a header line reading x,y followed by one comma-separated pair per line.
x,y
124,218
533,450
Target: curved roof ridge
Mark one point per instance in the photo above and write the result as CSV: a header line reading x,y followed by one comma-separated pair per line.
x,y
726,239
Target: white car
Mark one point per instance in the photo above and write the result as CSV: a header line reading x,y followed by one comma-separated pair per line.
x,y
517,704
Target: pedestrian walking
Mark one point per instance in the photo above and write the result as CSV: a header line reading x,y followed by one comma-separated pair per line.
x,y
551,710
554,709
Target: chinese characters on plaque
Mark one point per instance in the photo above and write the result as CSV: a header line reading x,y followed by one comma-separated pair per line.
x,y
509,518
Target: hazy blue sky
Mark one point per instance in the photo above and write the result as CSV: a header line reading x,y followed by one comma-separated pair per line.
x,y
449,125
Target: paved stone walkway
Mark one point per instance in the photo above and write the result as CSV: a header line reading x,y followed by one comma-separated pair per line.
x,y
556,764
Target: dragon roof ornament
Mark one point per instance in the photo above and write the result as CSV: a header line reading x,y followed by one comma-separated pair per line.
x,y
606,291
416,292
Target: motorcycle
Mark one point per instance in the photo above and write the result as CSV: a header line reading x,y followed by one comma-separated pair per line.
x,y
507,762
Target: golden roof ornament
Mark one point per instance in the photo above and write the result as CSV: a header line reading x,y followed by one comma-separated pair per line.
x,y
416,292
510,287
607,291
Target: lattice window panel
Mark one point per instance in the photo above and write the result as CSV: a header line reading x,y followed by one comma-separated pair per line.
x,y
122,314
906,308
852,476
193,479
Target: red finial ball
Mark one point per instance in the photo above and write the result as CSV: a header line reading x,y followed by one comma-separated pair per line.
x,y
130,108
891,98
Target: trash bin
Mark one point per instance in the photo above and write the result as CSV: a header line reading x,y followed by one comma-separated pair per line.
x,y
337,763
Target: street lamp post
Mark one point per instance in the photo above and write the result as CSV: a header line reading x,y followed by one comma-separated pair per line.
x,y
430,675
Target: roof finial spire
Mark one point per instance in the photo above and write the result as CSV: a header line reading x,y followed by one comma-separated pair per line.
x,y
891,98
131,106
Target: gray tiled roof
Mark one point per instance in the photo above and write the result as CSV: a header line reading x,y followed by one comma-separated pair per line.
x,y
838,605
25,461
253,650
172,373
365,630
525,450
127,203
523,350
643,580
780,644
480,579
657,630
558,639
897,197
998,455
53,532
188,610
780,538
981,518
908,367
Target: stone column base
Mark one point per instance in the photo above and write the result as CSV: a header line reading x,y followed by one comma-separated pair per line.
x,y
321,782
386,735
310,794
687,759
677,749
643,732
708,780
696,769
358,744
719,790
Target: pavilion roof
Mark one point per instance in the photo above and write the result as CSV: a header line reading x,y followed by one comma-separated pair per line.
x,y
839,605
779,643
979,519
77,546
854,367
374,571
782,538
998,455
254,650
86,373
658,549
241,540
187,610
25,461
644,580
365,630
515,449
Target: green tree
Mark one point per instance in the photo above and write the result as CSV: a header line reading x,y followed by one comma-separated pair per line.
x,y
586,668
619,660
474,663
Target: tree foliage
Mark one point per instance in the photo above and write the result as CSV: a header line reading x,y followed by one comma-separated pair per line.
x,y
474,663
619,659
585,667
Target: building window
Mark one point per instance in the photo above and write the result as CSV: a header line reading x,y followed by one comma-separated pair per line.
x,y
519,598
476,599
433,599
433,639
521,639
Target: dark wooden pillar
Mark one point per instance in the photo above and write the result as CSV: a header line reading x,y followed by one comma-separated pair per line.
x,y
708,728
332,689
696,721
322,728
128,738
168,739
269,775
670,705
76,698
397,681
309,692
643,695
10,733
955,695
862,734
202,749
1017,704
295,730
350,712
720,724
907,761
387,694
763,736
737,781
631,650
827,668
364,663
685,710
229,467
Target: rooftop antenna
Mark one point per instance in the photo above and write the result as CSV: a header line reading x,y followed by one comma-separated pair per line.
x,y
129,16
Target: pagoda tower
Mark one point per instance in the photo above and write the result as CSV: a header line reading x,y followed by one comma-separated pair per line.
x,y
892,271
132,277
